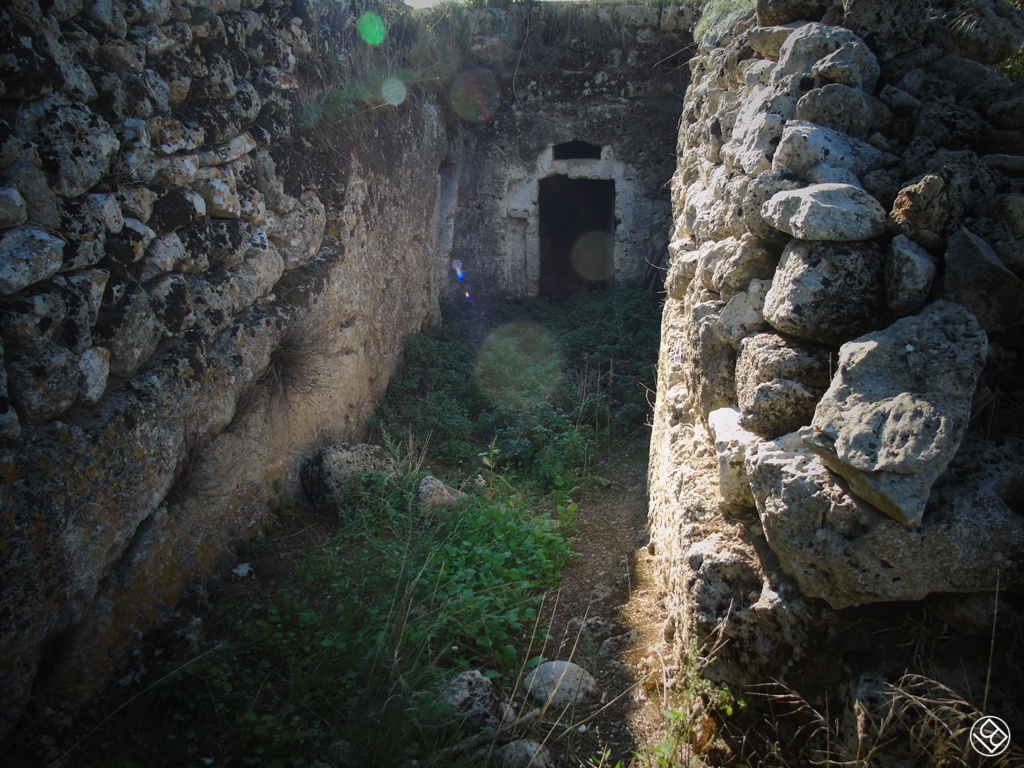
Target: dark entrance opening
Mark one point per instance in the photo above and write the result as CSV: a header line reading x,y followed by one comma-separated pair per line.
x,y
577,235
577,150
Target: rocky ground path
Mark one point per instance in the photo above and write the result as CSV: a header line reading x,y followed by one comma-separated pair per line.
x,y
607,616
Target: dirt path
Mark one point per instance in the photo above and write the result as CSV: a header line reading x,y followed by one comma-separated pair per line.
x,y
607,616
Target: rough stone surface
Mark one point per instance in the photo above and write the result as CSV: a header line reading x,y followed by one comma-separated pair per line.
x,y
523,753
976,278
891,29
474,700
837,212
988,31
130,330
939,151
909,272
774,12
434,494
839,107
13,209
808,45
805,146
731,445
826,292
778,383
28,255
326,474
42,383
896,411
846,552
561,684
93,370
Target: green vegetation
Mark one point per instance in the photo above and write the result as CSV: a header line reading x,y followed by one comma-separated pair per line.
x,y
1013,67
535,386
341,639
720,15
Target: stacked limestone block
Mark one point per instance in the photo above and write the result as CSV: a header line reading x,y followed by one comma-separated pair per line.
x,y
843,291
131,209
163,234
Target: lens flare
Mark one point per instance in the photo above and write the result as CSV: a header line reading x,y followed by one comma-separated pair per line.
x,y
393,91
474,95
592,256
519,365
371,28
457,266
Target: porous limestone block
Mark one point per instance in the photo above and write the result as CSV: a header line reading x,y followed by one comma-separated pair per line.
x,y
27,255
779,382
976,278
13,208
889,28
731,444
93,370
909,272
33,317
744,312
851,64
839,107
842,550
896,411
299,232
805,145
42,383
835,212
826,292
130,330
806,46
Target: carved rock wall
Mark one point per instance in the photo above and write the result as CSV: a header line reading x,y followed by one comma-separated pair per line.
x,y
194,292
611,76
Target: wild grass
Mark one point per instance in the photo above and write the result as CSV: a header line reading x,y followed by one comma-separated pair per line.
x,y
534,388
720,15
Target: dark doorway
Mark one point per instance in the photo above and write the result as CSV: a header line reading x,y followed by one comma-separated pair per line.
x,y
577,235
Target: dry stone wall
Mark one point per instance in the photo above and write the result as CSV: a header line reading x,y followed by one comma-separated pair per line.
x,y
842,332
193,293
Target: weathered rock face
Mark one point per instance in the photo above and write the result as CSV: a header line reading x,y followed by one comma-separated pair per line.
x,y
621,99
898,406
193,293
857,140
846,552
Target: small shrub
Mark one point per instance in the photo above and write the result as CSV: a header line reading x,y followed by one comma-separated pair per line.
x,y
719,17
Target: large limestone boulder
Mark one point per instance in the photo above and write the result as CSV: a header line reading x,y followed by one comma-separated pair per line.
x,y
779,382
808,45
836,212
805,146
890,28
842,550
760,122
326,474
826,292
898,406
839,107
977,278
